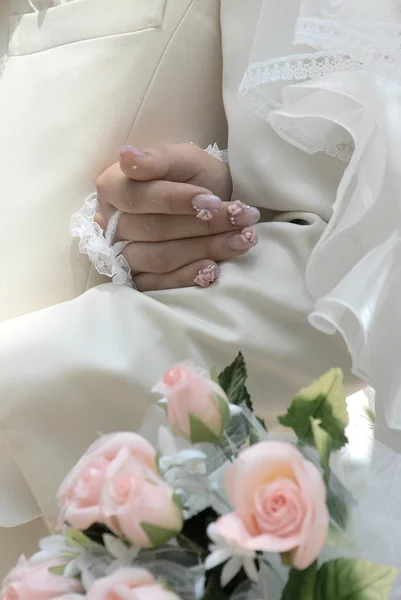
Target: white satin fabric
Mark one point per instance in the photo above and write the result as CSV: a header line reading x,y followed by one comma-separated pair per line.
x,y
340,92
74,369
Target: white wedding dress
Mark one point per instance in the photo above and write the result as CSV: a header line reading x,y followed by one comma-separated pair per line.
x,y
72,370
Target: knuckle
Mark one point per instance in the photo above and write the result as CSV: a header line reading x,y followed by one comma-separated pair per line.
x,y
168,201
154,228
158,261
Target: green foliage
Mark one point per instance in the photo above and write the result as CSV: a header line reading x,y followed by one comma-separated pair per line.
x,y
301,584
323,444
352,579
157,535
325,401
233,379
199,433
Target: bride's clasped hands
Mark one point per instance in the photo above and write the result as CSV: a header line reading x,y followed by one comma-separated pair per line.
x,y
176,215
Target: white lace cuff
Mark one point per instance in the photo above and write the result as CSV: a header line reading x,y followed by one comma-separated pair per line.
x,y
106,256
215,151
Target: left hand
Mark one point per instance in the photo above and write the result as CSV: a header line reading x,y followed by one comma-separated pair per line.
x,y
161,192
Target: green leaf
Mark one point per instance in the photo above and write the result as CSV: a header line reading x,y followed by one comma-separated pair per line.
x,y
325,400
233,379
177,501
224,411
352,579
57,570
254,437
74,537
323,444
158,457
301,585
157,535
199,433
214,375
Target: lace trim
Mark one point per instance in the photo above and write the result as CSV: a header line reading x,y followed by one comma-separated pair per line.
x,y
215,151
343,151
298,67
374,47
97,245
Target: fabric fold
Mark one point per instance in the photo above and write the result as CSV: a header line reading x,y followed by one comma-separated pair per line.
x,y
341,94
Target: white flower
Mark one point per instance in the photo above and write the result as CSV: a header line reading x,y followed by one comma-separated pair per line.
x,y
234,556
123,554
188,458
184,469
54,546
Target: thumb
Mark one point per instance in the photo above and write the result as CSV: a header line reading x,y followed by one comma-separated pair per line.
x,y
171,162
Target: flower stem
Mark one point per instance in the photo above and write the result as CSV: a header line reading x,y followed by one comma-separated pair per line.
x,y
190,544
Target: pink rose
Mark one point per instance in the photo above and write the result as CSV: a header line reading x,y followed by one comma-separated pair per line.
x,y
191,395
129,584
280,503
79,496
33,581
133,498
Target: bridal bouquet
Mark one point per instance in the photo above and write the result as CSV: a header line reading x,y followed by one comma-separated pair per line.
x,y
217,509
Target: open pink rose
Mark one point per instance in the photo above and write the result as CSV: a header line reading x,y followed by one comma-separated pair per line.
x,y
134,495
280,503
129,584
188,393
79,496
33,581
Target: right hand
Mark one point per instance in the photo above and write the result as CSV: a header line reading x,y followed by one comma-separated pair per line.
x,y
176,213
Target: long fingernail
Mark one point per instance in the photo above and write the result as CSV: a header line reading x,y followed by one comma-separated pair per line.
x,y
206,205
245,240
131,150
241,214
207,276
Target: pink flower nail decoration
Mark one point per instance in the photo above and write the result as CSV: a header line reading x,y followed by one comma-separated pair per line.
x,y
207,276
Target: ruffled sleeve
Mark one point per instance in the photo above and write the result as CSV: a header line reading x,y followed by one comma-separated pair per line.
x,y
345,98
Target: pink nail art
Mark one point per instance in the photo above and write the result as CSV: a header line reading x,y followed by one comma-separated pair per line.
x,y
237,208
242,214
250,235
206,205
131,150
207,276
245,240
204,214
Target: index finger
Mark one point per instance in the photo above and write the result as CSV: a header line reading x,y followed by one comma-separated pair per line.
x,y
172,162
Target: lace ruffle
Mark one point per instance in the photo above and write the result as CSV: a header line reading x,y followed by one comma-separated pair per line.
x,y
98,246
346,36
215,151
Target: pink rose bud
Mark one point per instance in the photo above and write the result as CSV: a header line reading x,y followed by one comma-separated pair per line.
x,y
280,503
138,504
79,496
197,407
129,584
30,580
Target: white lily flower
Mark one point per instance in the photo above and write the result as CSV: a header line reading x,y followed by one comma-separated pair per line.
x,y
236,557
53,546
